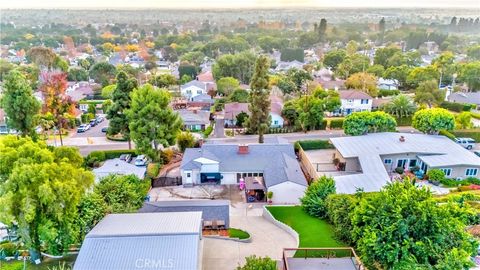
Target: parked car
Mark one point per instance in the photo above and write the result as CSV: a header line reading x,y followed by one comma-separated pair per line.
x,y
477,153
126,157
93,122
468,143
141,160
105,129
83,128
99,119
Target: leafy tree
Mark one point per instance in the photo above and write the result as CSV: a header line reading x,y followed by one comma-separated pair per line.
x,y
122,193
313,202
185,140
103,73
256,263
353,64
19,104
77,74
400,106
382,55
360,123
286,85
107,91
241,118
43,57
289,112
431,121
363,81
289,54
226,85
339,209
239,95
376,70
351,48
41,191
163,80
195,58
463,120
55,101
402,224
428,93
381,28
91,209
422,74
470,74
121,103
299,77
186,69
151,121
60,64
5,68
333,58
398,73
259,106
185,79
239,66
473,52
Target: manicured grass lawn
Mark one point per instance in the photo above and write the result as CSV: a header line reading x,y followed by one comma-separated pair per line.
x,y
313,232
237,233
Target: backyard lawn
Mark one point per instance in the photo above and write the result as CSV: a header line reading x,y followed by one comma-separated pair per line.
x,y
313,232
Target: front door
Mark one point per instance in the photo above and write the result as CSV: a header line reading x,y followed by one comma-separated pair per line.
x,y
401,163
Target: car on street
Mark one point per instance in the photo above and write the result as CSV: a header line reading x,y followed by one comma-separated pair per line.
x,y
104,130
99,119
126,157
83,128
141,160
467,143
93,122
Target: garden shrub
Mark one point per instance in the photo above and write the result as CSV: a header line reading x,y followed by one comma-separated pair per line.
x,y
456,107
18,265
399,170
436,175
166,155
323,126
208,131
315,144
153,169
336,123
9,249
386,93
256,263
339,210
404,121
313,202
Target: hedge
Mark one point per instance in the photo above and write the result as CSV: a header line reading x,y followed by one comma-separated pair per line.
x,y
386,93
153,169
404,121
208,131
315,144
324,124
468,133
95,157
447,134
456,107
116,139
336,123
475,115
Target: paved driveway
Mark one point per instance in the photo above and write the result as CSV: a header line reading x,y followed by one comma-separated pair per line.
x,y
267,240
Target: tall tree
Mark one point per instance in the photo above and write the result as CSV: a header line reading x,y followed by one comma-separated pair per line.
x,y
55,101
428,93
102,73
43,57
381,29
151,121
121,102
322,30
41,192
19,104
259,106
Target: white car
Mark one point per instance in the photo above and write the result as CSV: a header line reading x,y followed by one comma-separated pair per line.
x,y
141,160
468,143
83,128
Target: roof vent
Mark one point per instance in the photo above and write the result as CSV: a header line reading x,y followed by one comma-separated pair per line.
x,y
402,138
243,149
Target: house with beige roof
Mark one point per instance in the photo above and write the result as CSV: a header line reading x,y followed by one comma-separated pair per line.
x,y
368,162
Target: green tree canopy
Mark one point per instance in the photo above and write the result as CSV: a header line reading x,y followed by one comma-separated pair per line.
x,y
363,81
431,121
422,74
333,58
163,80
259,106
470,74
226,85
239,95
103,73
185,140
19,104
313,202
400,106
77,74
151,121
239,66
360,123
428,93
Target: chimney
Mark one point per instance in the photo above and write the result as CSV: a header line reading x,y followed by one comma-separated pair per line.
x,y
243,149
402,139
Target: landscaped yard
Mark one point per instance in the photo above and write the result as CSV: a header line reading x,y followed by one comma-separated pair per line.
x,y
313,232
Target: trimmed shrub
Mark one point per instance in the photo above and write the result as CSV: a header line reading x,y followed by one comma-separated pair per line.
x,y
314,200
315,144
208,131
386,93
255,263
9,249
17,265
339,210
404,121
336,123
399,170
323,126
436,175
456,107
153,169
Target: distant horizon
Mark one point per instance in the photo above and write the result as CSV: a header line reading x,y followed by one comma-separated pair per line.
x,y
244,4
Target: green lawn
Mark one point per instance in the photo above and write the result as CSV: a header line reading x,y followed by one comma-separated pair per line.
x,y
237,233
313,232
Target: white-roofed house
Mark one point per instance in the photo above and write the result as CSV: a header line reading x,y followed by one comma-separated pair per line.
x,y
118,167
370,159
387,84
353,101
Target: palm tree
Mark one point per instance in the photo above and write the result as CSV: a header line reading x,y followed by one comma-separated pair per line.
x,y
400,106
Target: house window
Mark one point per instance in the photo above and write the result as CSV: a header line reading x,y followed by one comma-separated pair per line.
x,y
388,161
471,172
189,91
275,122
412,163
402,162
447,171
349,100
249,174
189,175
364,101
199,92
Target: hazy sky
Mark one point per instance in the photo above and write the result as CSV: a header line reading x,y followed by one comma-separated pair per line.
x,y
232,3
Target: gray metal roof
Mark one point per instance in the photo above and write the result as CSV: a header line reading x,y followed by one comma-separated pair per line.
x,y
277,161
175,203
138,224
131,241
460,97
117,166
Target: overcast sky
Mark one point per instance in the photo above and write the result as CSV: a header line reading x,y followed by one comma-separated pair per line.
x,y
232,3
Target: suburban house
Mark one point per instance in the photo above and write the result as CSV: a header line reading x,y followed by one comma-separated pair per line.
x,y
118,167
465,98
260,167
195,120
206,77
218,210
329,84
143,240
285,66
353,101
368,161
387,84
233,109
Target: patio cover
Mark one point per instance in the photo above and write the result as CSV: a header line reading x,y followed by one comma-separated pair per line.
x,y
254,183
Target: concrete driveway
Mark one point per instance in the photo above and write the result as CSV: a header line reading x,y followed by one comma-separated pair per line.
x,y
267,240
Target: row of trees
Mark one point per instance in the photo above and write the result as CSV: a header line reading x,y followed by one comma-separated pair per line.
x,y
400,227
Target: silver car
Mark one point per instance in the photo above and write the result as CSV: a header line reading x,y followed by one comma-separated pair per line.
x,y
468,143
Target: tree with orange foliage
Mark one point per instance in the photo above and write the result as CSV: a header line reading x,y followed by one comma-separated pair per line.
x,y
56,103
